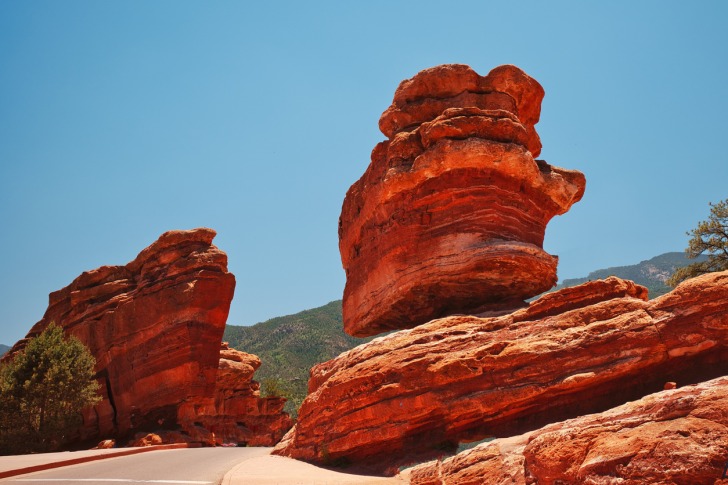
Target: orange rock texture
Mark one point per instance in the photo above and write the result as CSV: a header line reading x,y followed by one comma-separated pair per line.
x,y
238,414
154,326
585,349
672,437
450,215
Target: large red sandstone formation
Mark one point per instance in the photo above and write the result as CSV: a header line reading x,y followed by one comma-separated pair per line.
x,y
450,215
583,349
154,327
672,437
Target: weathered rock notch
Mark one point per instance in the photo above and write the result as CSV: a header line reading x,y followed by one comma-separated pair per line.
x,y
450,215
155,327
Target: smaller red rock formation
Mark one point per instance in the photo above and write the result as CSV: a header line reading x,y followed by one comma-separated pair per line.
x,y
671,437
579,350
149,439
105,445
450,215
238,414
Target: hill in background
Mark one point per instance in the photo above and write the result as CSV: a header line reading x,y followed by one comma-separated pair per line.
x,y
289,346
651,273
3,349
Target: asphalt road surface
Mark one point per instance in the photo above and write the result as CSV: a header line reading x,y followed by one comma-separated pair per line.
x,y
187,466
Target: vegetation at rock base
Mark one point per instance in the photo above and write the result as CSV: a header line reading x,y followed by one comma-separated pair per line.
x,y
43,390
289,346
275,387
709,237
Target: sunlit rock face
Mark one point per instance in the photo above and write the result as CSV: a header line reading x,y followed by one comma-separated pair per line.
x,y
411,394
155,327
674,436
449,217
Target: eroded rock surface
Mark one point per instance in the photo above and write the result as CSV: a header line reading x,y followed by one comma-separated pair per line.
x,y
238,414
451,213
673,437
154,326
580,350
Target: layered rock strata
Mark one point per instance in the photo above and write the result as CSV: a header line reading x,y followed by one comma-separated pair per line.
x,y
154,326
238,414
579,350
450,215
672,437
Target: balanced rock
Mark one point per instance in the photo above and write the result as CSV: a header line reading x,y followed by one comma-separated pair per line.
x,y
154,326
413,393
672,437
450,215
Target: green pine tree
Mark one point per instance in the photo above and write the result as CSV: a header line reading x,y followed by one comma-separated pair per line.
x,y
709,237
43,390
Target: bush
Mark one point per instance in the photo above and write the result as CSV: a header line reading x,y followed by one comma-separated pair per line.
x,y
273,387
43,390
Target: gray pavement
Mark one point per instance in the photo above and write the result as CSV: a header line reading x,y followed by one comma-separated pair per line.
x,y
14,462
18,464
200,466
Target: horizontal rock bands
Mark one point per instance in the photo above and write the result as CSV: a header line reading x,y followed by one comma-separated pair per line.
x,y
676,436
467,377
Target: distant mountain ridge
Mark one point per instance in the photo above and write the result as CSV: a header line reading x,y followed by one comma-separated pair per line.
x,y
651,273
290,345
3,349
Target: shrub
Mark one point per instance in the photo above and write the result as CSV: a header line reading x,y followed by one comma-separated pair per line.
x,y
43,390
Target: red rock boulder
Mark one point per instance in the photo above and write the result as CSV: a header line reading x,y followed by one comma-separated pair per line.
x,y
450,215
413,393
672,437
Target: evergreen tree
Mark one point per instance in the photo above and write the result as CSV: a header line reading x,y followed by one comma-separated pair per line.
x,y
709,237
43,390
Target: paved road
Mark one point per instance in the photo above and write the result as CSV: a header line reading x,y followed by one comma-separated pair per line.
x,y
195,466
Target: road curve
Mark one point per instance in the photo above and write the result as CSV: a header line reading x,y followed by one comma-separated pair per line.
x,y
189,466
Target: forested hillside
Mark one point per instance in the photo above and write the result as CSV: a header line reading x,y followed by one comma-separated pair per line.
x,y
290,345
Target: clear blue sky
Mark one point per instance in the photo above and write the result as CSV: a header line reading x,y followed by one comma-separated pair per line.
x,y
120,120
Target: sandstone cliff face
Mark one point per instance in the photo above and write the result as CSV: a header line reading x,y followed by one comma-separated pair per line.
x,y
450,215
672,437
154,326
407,395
